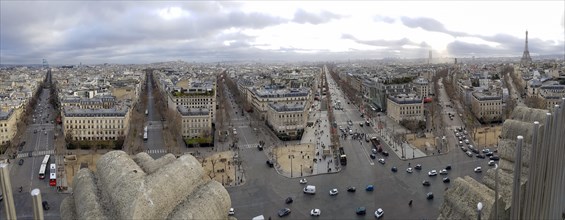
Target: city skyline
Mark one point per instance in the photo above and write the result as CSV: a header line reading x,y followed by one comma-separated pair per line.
x,y
143,32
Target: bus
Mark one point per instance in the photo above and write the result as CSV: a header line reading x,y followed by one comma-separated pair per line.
x,y
145,133
42,171
45,159
52,174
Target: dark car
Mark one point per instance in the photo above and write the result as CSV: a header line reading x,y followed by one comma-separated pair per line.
x,y
393,169
446,180
270,163
448,167
361,210
21,162
490,153
283,212
22,144
351,189
372,156
260,147
288,200
464,149
418,167
45,205
481,156
495,158
430,195
385,153
426,183
475,150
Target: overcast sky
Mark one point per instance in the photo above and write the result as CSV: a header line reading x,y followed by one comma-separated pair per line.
x,y
69,32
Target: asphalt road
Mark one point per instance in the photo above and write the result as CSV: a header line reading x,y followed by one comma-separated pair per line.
x,y
264,191
27,175
155,145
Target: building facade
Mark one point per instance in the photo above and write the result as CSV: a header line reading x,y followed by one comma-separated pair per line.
x,y
262,98
405,107
95,124
194,122
287,120
198,96
8,126
487,106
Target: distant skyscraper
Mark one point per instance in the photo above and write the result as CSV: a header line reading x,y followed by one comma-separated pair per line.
x,y
430,57
526,59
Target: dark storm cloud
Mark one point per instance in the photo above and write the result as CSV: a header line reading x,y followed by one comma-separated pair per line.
x,y
429,24
302,17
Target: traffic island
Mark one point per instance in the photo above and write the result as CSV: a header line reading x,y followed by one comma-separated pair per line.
x,y
295,160
223,167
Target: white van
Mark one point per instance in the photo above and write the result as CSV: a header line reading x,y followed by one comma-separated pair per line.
x,y
310,189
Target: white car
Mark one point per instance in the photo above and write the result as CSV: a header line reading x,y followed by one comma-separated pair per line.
x,y
409,170
478,170
443,172
303,181
491,163
333,192
379,213
382,161
315,212
231,211
432,173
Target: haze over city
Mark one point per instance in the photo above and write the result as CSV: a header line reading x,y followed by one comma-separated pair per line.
x,y
89,32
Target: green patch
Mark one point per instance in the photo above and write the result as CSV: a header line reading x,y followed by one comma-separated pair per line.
x,y
199,140
183,94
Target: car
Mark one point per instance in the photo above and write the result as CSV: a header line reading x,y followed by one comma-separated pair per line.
x,y
478,170
22,144
369,188
360,210
486,150
393,169
418,167
351,189
333,192
476,151
45,205
270,163
432,173
231,211
303,181
45,132
429,196
460,143
448,167
361,124
288,200
374,150
283,212
379,213
470,146
373,156
491,163
409,170
488,154
494,157
469,153
426,183
259,147
382,161
21,162
385,153
446,180
443,172
481,156
456,134
315,212
35,131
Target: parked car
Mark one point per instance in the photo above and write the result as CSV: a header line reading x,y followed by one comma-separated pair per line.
x,y
491,163
270,163
481,156
373,156
478,170
486,150
494,157
432,173
360,210
469,153
333,192
379,213
284,212
488,154
426,183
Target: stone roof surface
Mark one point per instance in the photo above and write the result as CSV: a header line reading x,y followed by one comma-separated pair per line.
x,y
143,188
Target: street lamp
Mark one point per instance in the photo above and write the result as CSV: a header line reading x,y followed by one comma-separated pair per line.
x,y
290,157
479,208
495,191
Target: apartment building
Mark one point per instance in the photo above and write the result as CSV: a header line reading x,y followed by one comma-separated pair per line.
x,y
89,103
287,120
381,89
195,122
261,98
421,87
487,106
199,95
552,95
95,124
8,126
402,107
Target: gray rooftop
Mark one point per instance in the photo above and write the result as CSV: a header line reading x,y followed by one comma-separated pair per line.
x,y
405,99
77,112
192,111
5,115
287,107
486,96
281,93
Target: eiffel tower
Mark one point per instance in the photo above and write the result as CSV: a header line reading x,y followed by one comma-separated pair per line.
x,y
526,59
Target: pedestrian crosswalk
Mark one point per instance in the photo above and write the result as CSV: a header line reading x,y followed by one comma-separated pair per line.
x,y
156,151
35,153
247,146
